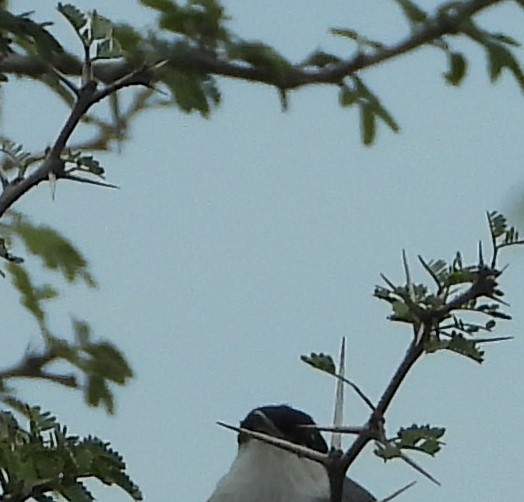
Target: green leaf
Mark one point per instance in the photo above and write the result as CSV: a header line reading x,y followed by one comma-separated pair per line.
x,y
387,451
76,492
75,17
109,466
160,5
31,296
347,96
386,117
40,421
457,68
497,224
31,36
187,91
56,252
101,27
458,344
82,331
17,157
109,49
500,57
425,439
401,311
91,164
107,361
368,126
97,392
490,324
128,38
262,56
341,32
48,464
322,362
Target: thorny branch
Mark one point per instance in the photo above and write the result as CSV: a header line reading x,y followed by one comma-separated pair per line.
x,y
484,285
425,326
53,165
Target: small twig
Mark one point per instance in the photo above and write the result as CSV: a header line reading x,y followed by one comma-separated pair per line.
x,y
142,76
409,284
520,242
281,443
88,96
389,283
72,87
31,366
369,432
493,241
428,269
358,390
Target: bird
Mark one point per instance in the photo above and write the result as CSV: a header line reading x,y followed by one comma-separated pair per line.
x,y
262,472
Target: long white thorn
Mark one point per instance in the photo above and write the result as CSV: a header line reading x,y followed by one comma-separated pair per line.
x,y
338,415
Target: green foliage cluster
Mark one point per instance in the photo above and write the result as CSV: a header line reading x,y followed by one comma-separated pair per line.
x,y
420,438
457,327
197,30
21,31
44,463
96,365
355,92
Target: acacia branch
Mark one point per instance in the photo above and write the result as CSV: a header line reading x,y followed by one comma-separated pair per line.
x,y
484,285
32,366
53,164
205,62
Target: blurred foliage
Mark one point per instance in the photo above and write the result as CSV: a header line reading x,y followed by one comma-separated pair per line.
x,y
199,30
95,365
43,462
55,251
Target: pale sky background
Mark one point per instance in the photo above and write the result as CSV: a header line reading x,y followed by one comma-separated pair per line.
x,y
238,243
